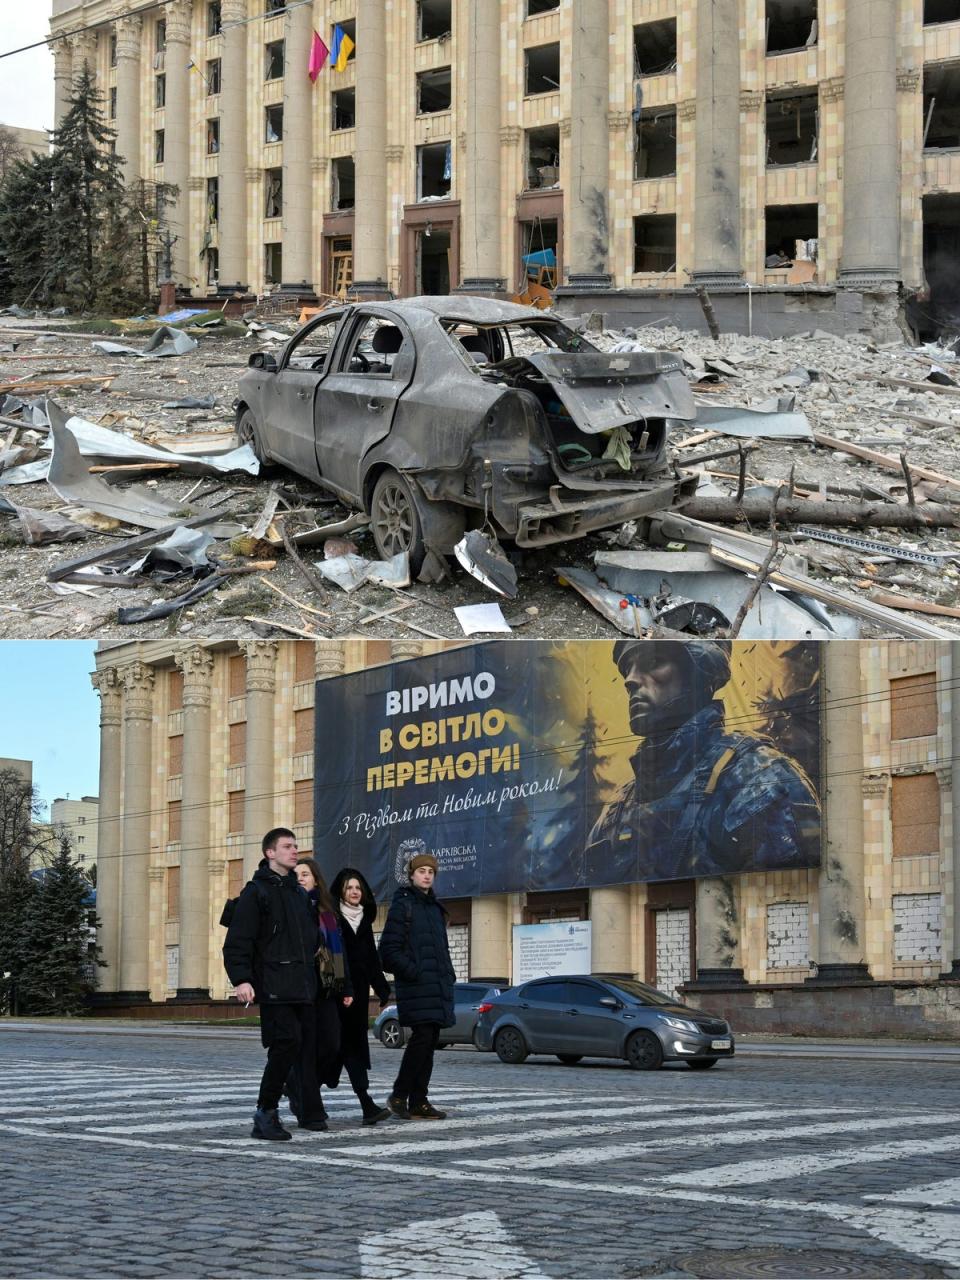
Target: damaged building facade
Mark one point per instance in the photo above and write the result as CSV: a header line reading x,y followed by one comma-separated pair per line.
x,y
206,746
799,158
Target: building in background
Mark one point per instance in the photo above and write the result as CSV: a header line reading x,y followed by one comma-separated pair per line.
x,y
23,767
206,746
21,144
78,818
799,158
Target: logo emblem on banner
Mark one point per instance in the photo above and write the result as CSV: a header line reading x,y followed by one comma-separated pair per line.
x,y
406,850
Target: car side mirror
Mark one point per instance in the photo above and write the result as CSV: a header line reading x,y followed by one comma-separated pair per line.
x,y
609,1002
263,360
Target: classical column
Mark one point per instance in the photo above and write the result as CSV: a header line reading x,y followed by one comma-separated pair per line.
x,y
841,891
585,178
138,682
489,939
129,42
610,931
260,812
716,242
403,649
62,78
478,177
718,932
108,685
297,152
196,663
954,971
176,124
233,148
871,181
370,219
329,659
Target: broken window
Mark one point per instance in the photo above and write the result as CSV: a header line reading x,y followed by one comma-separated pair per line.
x,y
273,123
433,91
273,262
213,266
655,47
158,147
343,108
214,19
543,157
433,19
785,224
791,25
273,189
374,346
213,77
935,11
433,171
273,60
656,143
343,183
941,108
655,242
160,36
542,64
793,123
541,6
160,92
113,48
213,200
113,103
213,136
275,6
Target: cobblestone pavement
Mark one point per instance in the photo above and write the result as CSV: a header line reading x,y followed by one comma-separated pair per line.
x,y
132,1157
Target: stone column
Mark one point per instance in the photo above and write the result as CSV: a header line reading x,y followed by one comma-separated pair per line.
x,y
716,246
871,180
370,220
489,939
138,682
129,43
954,971
585,179
107,683
176,116
718,932
297,152
62,78
841,949
610,931
478,178
260,813
233,148
196,663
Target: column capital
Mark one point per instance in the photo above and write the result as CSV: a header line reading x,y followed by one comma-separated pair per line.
x,y
752,99
874,784
329,660
401,649
197,182
129,37
320,164
253,176
156,873
944,777
217,866
394,152
261,658
138,682
619,120
687,110
233,11
196,663
908,80
566,126
510,134
178,15
109,686
832,89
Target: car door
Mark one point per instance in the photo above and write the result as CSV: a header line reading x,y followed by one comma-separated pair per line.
x,y
542,1007
466,998
358,399
289,395
594,1030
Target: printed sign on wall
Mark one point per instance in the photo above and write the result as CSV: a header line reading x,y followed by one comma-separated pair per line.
x,y
554,947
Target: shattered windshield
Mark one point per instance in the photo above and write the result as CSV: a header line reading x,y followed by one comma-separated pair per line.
x,y
483,344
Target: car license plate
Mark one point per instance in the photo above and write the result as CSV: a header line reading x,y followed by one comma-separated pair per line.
x,y
719,1044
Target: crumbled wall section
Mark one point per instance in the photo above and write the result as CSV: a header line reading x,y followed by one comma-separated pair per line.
x,y
458,939
788,935
917,928
673,950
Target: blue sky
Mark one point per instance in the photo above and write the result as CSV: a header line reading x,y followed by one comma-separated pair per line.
x,y
50,713
26,79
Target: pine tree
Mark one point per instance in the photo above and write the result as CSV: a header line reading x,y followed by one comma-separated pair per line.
x,y
18,896
26,200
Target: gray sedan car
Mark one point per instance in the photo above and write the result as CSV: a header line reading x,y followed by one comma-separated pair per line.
x,y
438,415
578,1017
467,1000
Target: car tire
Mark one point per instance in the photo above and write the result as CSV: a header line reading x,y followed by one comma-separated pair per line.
x,y
570,1059
644,1051
391,1034
249,433
510,1046
701,1064
395,519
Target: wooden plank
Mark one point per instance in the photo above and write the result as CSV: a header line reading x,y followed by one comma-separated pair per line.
x,y
282,626
297,604
385,613
892,600
915,386
45,384
884,460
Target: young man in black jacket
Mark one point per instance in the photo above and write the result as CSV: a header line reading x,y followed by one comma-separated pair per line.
x,y
269,954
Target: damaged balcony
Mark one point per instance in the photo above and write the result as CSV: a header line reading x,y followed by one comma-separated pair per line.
x,y
655,48
434,20
343,109
541,69
791,26
343,183
792,128
655,154
542,153
655,244
434,91
433,171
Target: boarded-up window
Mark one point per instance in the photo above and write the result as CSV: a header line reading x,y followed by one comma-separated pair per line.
x,y
235,801
302,731
234,877
305,665
303,800
173,893
916,815
237,681
175,756
175,689
913,706
173,822
238,743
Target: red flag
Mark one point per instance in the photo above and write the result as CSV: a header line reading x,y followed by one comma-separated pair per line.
x,y
318,56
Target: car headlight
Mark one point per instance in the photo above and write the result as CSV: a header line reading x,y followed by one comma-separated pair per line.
x,y
681,1024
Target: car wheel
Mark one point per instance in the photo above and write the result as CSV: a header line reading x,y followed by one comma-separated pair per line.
x,y
249,433
510,1046
701,1064
391,1036
395,520
644,1051
569,1059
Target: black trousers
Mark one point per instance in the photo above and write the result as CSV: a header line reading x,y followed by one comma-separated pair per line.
x,y
326,1057
416,1066
288,1033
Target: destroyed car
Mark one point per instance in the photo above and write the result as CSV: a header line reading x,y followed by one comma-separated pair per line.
x,y
436,415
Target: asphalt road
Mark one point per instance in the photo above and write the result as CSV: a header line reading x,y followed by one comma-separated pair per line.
x,y
130,1156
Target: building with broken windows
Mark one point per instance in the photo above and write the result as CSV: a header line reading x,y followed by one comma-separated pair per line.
x,y
799,158
207,745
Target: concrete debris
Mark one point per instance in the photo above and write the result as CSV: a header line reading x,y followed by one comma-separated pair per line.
x,y
42,527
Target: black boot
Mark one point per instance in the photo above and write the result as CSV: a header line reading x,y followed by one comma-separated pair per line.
x,y
266,1124
372,1113
319,1125
398,1107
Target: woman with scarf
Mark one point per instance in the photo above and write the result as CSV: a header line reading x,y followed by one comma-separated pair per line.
x,y
356,908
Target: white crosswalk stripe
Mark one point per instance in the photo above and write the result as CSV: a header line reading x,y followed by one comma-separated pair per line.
x,y
945,1191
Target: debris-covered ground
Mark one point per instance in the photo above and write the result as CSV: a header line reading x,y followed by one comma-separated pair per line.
x,y
851,392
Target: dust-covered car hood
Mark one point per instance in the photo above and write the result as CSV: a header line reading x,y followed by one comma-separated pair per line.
x,y
603,390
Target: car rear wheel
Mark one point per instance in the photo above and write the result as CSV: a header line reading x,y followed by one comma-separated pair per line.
x,y
249,433
510,1046
395,519
644,1051
390,1034
701,1064
569,1059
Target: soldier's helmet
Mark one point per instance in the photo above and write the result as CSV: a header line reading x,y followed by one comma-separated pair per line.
x,y
709,659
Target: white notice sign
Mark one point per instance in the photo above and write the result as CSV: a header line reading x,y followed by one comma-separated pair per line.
x,y
542,950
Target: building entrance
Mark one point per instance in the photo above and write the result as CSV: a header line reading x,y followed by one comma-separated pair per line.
x,y
432,272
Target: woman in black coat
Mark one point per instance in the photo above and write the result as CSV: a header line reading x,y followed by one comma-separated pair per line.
x,y
413,947
356,908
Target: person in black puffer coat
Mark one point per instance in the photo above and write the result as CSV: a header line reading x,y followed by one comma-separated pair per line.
x,y
413,947
356,909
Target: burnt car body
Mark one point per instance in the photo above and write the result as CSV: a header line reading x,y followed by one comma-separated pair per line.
x,y
439,414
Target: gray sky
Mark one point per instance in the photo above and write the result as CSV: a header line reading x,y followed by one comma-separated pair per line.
x,y
26,80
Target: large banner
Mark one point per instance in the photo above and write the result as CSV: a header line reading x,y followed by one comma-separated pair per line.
x,y
551,765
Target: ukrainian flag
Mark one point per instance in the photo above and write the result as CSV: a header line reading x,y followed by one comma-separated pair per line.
x,y
343,46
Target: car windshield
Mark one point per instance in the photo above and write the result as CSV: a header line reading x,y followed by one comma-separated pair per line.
x,y
489,343
640,993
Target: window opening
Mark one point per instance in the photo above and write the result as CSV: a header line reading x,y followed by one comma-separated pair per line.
x,y
160,92
542,69
343,183
433,20
433,171
791,25
213,136
655,47
214,19
935,11
656,144
273,129
543,157
158,147
273,60
213,200
541,6
941,108
273,262
434,91
343,113
655,242
791,232
793,125
213,77
273,188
